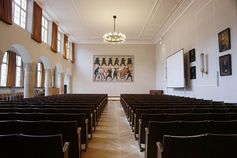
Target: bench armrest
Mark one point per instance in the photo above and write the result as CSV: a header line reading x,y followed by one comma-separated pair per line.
x,y
79,140
159,149
66,149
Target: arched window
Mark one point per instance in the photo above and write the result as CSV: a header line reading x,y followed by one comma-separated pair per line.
x,y
4,69
19,71
40,75
12,70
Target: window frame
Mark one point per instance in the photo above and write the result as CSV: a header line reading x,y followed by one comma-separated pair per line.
x,y
21,11
21,72
44,29
59,42
39,71
5,63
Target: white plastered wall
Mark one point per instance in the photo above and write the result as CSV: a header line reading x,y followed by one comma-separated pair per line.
x,y
198,28
144,67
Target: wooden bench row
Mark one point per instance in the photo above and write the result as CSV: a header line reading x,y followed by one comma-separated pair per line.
x,y
198,146
29,146
157,129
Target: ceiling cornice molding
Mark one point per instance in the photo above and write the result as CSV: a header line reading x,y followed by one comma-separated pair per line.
x,y
150,16
100,41
173,18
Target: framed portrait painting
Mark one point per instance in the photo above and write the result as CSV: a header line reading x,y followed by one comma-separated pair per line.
x,y
225,65
113,68
193,72
224,40
192,56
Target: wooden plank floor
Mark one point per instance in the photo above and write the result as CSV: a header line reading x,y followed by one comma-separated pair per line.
x,y
113,137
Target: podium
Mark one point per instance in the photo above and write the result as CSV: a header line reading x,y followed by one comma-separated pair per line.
x,y
156,92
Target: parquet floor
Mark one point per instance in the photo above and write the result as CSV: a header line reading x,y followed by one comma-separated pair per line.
x,y
113,137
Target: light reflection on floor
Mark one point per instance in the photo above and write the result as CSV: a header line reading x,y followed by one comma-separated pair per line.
x,y
113,137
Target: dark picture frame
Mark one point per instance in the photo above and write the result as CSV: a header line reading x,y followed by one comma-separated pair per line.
x,y
225,65
192,56
224,40
193,72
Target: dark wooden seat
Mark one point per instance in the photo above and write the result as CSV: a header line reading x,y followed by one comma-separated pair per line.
x,y
181,147
88,112
68,129
198,146
29,146
156,131
80,118
9,146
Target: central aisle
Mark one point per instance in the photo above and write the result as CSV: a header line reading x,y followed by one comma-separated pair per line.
x,y
113,137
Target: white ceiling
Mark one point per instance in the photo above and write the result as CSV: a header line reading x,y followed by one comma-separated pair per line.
x,y
86,21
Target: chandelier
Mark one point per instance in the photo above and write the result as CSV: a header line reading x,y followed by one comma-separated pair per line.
x,y
114,37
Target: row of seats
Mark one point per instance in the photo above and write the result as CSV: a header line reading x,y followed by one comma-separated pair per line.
x,y
84,109
199,146
156,131
69,131
29,146
179,115
141,109
11,97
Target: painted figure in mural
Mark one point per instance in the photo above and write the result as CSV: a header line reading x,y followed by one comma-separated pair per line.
x,y
123,73
103,62
115,74
101,75
96,72
129,61
105,72
122,62
97,61
109,74
116,62
129,74
110,62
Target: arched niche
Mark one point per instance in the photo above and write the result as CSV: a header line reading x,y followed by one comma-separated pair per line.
x,y
22,51
45,60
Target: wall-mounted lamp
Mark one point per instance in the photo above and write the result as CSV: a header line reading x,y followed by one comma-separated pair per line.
x,y
204,63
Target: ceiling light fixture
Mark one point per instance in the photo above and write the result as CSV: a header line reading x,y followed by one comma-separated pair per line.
x,y
114,37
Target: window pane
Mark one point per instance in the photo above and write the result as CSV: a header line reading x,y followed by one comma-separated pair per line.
x,y
18,60
3,74
17,15
23,19
18,76
46,24
18,2
5,58
39,79
39,67
59,42
20,7
23,2
44,29
59,46
42,21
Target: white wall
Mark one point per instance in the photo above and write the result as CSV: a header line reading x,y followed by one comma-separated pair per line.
x,y
13,34
198,28
144,69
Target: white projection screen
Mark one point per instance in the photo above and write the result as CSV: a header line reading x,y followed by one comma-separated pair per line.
x,y
175,70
